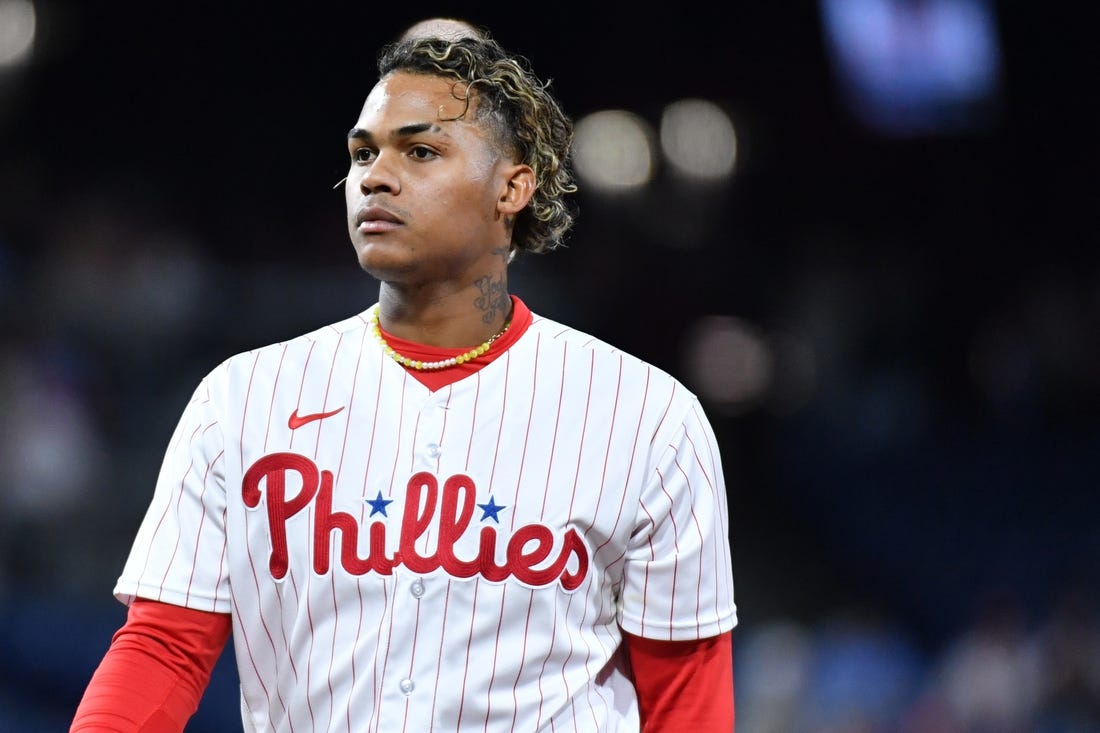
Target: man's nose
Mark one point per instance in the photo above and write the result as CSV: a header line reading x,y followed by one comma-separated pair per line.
x,y
382,174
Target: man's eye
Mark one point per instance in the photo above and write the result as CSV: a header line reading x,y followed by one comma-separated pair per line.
x,y
422,153
361,155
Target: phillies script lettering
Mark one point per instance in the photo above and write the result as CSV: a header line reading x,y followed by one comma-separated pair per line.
x,y
527,552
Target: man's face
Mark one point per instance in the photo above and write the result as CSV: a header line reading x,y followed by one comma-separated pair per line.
x,y
423,187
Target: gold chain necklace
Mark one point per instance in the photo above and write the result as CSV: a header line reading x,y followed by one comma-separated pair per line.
x,y
431,365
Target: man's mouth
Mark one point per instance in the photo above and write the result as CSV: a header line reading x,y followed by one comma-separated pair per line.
x,y
373,219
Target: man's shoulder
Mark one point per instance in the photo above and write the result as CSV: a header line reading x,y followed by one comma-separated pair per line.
x,y
612,371
556,332
601,350
326,337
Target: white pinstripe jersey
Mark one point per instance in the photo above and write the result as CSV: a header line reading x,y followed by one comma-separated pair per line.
x,y
457,560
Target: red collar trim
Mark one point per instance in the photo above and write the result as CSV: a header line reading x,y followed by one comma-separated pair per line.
x,y
433,380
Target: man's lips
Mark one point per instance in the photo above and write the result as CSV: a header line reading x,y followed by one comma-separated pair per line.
x,y
376,219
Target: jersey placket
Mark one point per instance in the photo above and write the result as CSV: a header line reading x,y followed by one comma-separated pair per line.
x,y
409,675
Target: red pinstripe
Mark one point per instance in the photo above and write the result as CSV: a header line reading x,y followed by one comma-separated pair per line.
x,y
542,513
251,559
607,454
506,358
526,437
584,429
496,656
412,662
374,722
545,661
301,391
699,531
400,421
339,465
244,407
202,521
439,657
720,498
473,418
652,555
222,569
252,661
362,516
339,468
523,659
176,544
274,391
466,667
160,522
676,544
500,427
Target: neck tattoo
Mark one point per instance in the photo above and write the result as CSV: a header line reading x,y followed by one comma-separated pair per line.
x,y
432,365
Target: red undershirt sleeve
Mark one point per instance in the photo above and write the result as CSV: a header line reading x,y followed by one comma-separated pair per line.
x,y
684,685
155,671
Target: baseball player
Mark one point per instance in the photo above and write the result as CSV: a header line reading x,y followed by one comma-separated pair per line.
x,y
447,512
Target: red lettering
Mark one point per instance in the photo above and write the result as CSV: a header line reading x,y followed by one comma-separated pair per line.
x,y
488,556
273,468
573,545
527,552
329,521
417,519
523,562
454,518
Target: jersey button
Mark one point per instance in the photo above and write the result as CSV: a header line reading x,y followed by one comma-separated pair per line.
x,y
417,588
433,450
407,686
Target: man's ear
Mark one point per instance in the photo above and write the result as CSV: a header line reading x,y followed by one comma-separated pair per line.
x,y
519,187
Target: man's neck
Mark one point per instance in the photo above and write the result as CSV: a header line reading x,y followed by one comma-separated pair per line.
x,y
457,319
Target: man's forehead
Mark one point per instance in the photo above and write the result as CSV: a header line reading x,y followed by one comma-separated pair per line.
x,y
435,98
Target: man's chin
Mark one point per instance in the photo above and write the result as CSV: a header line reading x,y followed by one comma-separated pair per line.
x,y
383,267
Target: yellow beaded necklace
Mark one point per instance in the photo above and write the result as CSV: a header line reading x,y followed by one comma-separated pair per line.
x,y
432,365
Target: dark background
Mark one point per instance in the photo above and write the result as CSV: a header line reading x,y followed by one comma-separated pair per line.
x,y
166,199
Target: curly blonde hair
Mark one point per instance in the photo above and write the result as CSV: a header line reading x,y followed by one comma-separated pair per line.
x,y
524,115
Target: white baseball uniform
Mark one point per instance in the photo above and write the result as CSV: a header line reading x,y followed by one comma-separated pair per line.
x,y
397,559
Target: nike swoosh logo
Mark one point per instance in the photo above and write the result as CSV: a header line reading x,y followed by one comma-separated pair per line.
x,y
296,422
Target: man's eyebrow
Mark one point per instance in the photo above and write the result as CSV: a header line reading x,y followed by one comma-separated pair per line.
x,y
358,133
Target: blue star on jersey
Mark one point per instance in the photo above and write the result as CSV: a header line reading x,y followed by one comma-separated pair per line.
x,y
490,510
378,505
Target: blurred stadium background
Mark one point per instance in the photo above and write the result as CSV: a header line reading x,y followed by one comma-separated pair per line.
x,y
864,231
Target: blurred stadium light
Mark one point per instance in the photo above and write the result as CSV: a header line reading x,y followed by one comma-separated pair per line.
x,y
730,364
698,140
914,67
737,366
17,32
613,150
